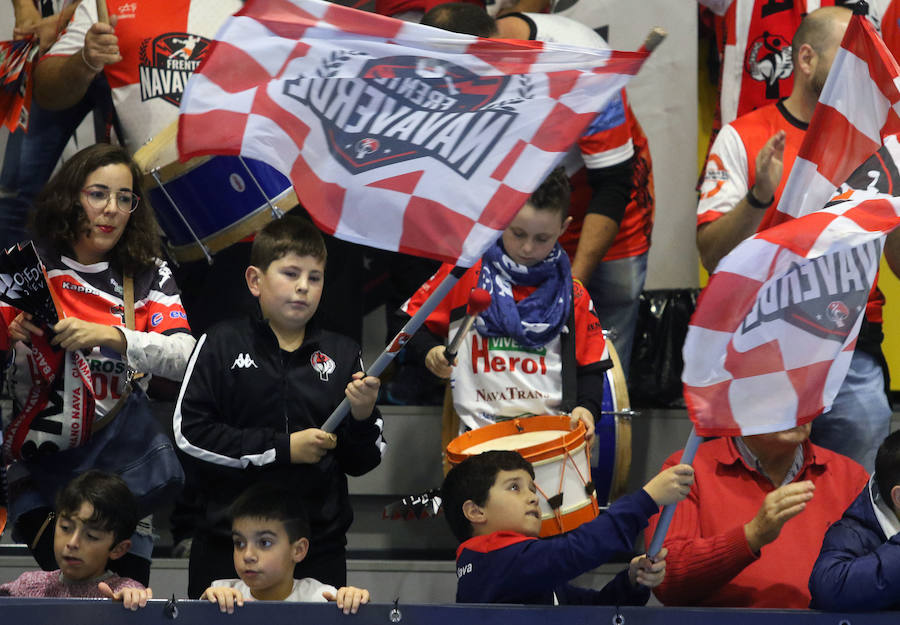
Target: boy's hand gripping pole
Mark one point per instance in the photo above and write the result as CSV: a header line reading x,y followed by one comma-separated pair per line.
x,y
665,517
479,301
391,351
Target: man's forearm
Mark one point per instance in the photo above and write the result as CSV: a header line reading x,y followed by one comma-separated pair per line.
x,y
597,235
716,239
62,81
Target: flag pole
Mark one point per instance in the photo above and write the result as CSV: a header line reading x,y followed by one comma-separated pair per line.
x,y
394,347
665,517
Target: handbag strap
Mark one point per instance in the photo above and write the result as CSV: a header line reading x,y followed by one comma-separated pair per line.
x,y
128,300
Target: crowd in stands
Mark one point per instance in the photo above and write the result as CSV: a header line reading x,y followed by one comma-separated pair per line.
x,y
805,517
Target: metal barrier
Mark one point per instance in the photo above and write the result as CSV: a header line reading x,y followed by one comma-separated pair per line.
x,y
162,612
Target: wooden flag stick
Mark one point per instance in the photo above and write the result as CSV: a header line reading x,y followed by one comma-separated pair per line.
x,y
102,12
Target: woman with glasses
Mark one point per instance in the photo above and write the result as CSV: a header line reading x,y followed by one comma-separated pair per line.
x,y
120,314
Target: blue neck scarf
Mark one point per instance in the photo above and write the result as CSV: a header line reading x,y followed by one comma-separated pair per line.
x,y
536,320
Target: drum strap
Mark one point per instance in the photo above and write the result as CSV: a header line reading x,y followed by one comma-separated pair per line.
x,y
569,365
128,302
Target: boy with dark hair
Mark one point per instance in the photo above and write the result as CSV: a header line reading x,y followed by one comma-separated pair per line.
x,y
491,505
255,395
270,530
520,359
96,515
858,568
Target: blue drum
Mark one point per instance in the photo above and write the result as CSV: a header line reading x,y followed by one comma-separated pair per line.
x,y
611,451
209,202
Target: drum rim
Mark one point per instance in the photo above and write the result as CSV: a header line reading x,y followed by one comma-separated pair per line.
x,y
520,425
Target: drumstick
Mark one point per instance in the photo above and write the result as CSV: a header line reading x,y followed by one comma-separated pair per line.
x,y
479,300
102,12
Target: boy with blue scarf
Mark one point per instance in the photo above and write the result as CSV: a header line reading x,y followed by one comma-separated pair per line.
x,y
518,355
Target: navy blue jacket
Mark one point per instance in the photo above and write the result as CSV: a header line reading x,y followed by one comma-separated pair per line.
x,y
858,567
508,567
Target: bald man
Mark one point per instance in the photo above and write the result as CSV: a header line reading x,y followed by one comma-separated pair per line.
x,y
745,176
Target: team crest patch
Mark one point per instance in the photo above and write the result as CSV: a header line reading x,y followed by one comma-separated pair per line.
x,y
167,62
768,61
119,311
394,109
322,363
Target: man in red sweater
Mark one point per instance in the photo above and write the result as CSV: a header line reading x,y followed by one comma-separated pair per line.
x,y
750,530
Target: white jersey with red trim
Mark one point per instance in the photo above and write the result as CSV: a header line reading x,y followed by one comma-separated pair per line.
x,y
495,377
160,343
161,44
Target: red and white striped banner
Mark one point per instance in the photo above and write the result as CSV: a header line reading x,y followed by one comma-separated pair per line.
x,y
858,107
394,134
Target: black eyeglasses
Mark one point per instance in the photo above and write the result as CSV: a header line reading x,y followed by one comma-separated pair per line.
x,y
97,197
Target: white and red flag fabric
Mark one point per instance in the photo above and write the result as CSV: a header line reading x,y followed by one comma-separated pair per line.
x,y
395,135
774,330
857,108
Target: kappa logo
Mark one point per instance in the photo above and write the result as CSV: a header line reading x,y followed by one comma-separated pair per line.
x,y
126,10
167,62
399,108
768,60
244,361
322,363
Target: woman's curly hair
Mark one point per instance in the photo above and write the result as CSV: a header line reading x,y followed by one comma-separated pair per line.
x,y
58,218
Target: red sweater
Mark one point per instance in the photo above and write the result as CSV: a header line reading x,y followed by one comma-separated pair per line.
x,y
710,562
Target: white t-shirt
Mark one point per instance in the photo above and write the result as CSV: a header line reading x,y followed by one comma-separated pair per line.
x,y
306,590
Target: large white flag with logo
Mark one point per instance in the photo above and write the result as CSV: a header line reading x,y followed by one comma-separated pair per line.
x,y
394,134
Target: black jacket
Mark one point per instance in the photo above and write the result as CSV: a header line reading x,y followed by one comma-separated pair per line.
x,y
243,396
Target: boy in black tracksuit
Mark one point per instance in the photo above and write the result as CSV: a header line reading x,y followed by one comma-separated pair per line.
x,y
255,393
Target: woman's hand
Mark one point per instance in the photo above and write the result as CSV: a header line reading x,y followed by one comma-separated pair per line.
x,y
73,333
21,328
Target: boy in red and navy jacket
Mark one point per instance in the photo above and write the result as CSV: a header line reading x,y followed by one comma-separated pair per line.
x,y
491,505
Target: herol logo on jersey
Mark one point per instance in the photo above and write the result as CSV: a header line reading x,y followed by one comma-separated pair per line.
x,y
322,363
394,109
167,62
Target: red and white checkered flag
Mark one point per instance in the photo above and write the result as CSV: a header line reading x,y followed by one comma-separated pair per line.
x,y
395,135
858,107
774,331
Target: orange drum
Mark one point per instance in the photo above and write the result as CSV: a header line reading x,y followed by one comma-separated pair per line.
x,y
561,461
